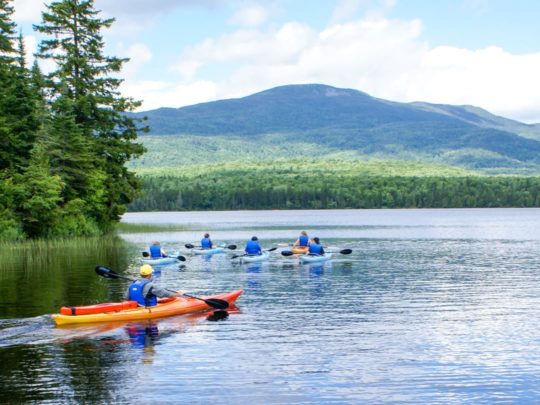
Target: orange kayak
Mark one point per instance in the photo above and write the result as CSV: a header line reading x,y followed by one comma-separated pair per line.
x,y
300,250
167,307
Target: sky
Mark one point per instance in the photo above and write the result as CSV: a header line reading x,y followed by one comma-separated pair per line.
x,y
484,53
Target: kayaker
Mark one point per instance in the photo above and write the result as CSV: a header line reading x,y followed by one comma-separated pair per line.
x,y
315,247
206,242
144,291
303,240
157,251
253,247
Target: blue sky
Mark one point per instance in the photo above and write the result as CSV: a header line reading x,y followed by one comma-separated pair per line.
x,y
478,52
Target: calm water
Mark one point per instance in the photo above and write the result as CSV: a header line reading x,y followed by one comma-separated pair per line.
x,y
432,306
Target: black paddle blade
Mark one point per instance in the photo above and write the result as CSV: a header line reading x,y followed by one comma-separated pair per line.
x,y
235,256
345,251
145,254
232,247
105,272
271,249
189,246
287,253
217,316
181,258
217,303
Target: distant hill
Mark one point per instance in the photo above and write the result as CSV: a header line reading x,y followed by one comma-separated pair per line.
x,y
304,118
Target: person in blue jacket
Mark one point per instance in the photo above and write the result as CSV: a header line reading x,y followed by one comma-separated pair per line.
x,y
144,291
315,247
156,251
206,242
253,247
303,240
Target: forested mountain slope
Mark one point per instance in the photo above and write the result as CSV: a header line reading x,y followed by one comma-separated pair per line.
x,y
319,120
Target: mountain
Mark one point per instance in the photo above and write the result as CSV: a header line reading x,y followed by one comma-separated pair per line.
x,y
352,121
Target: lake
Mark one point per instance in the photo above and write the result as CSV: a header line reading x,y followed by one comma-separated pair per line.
x,y
432,306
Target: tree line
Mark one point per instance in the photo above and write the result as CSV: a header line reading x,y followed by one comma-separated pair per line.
x,y
264,189
65,137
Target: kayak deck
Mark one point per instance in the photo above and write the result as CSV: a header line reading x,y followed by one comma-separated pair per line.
x,y
309,258
170,307
212,251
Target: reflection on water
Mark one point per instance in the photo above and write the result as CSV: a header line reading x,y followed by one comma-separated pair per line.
x,y
403,319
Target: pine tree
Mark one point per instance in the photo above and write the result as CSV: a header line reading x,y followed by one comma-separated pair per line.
x,y
85,76
39,194
20,109
7,32
7,58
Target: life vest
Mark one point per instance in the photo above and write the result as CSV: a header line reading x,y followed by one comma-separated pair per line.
x,y
315,249
206,243
136,294
303,240
155,251
253,248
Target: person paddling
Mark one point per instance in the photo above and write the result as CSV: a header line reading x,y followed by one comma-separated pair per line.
x,y
144,291
302,241
156,251
315,247
253,247
206,242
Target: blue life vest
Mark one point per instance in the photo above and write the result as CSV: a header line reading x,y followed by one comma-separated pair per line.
x,y
206,243
155,251
303,240
315,249
253,248
136,294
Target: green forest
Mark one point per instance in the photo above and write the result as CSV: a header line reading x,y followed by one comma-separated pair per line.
x,y
65,136
319,183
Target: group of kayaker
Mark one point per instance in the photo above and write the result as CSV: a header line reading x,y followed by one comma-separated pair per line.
x,y
146,293
312,246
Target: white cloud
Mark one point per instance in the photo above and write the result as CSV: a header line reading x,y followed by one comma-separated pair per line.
x,y
252,16
28,10
155,94
138,54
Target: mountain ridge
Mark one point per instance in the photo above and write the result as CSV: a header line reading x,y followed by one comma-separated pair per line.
x,y
351,120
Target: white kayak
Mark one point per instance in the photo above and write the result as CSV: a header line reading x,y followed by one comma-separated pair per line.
x,y
207,251
160,260
255,258
311,258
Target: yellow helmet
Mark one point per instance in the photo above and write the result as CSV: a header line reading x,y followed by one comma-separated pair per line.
x,y
146,270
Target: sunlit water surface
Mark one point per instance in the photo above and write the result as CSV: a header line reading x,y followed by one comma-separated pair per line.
x,y
432,306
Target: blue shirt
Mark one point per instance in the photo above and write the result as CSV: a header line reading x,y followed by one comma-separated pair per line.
x,y
253,248
206,243
316,249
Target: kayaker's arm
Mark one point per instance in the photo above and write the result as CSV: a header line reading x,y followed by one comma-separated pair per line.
x,y
151,288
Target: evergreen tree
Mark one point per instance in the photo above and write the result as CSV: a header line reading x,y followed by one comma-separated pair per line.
x,y
20,109
39,194
85,76
7,32
7,58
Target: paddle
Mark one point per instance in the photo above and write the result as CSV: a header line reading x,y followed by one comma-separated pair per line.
x,y
181,258
343,252
245,254
213,302
190,246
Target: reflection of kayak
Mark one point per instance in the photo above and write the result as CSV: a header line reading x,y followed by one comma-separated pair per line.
x,y
300,250
255,258
207,251
160,260
315,258
167,307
